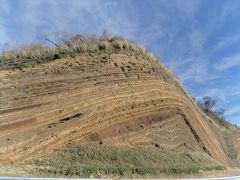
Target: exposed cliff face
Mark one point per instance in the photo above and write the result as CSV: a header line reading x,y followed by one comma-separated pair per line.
x,y
122,99
229,137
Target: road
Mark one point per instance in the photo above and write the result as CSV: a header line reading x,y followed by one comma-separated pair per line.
x,y
28,178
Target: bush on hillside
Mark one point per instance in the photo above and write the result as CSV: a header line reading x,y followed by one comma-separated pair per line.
x,y
207,105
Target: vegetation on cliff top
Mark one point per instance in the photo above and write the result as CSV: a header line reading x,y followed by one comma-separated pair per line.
x,y
69,45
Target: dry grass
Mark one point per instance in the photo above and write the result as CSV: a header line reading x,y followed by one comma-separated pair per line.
x,y
29,56
26,56
72,45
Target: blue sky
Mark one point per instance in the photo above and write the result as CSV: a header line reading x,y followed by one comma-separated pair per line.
x,y
199,40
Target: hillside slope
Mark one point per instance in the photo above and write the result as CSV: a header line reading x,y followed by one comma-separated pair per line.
x,y
119,98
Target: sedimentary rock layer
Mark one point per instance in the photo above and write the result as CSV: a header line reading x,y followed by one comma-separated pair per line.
x,y
120,99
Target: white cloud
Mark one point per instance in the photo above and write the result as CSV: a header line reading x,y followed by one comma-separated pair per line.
x,y
196,72
216,93
227,41
29,19
229,8
232,111
4,36
186,8
4,9
225,95
197,40
228,62
194,65
234,119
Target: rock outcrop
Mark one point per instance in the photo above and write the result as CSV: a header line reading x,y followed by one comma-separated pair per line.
x,y
121,98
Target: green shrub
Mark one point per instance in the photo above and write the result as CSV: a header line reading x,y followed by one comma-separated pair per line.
x,y
117,170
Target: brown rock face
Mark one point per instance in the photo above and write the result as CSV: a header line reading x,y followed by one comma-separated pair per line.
x,y
120,99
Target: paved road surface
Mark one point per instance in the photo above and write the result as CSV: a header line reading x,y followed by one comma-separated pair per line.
x,y
28,178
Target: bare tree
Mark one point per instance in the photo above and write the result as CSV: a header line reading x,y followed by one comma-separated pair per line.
x,y
208,103
220,113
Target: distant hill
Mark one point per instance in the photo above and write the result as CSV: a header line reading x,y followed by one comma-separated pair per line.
x,y
104,96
